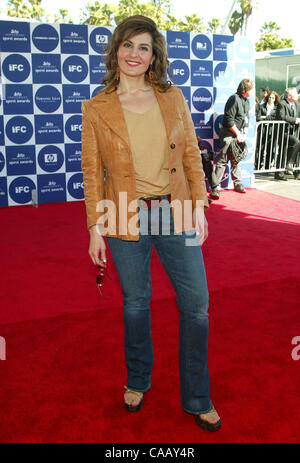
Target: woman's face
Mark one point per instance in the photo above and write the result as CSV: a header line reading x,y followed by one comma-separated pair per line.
x,y
271,99
135,55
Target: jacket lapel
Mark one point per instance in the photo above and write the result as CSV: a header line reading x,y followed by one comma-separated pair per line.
x,y
168,110
109,109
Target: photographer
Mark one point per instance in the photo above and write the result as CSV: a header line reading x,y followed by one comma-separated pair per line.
x,y
234,129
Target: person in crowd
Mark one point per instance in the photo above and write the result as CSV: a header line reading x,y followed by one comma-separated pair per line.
x,y
258,110
269,107
140,131
263,94
234,127
267,135
288,110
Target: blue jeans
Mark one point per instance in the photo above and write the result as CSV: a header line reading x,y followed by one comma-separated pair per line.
x,y
185,268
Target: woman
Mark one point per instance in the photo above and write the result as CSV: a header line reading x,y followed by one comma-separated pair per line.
x,y
139,131
267,140
269,107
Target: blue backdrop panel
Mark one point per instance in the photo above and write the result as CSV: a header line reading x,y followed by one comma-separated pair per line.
x,y
47,70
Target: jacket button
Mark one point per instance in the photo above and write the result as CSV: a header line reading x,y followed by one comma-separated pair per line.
x,y
173,171
172,146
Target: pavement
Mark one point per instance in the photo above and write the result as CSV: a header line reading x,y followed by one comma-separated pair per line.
x,y
289,189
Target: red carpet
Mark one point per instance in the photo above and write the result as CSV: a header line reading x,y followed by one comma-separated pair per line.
x,y
64,370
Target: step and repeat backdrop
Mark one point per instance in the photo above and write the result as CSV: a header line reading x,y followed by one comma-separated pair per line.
x,y
47,70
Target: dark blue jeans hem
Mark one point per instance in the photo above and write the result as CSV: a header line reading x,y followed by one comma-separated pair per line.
x,y
138,389
197,413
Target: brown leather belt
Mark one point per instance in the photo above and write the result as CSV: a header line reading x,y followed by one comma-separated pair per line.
x,y
155,201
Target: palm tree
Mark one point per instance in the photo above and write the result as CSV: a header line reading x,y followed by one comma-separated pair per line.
x,y
247,10
213,25
239,19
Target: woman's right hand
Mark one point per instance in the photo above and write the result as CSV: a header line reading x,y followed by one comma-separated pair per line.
x,y
97,244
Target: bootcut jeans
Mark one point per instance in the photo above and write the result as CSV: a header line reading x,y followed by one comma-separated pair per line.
x,y
182,259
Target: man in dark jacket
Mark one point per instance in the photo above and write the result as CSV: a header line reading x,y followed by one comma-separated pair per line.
x,y
288,110
234,126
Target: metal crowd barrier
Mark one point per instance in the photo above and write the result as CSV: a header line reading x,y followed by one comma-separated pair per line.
x,y
272,140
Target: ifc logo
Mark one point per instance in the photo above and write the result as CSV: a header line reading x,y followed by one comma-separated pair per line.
x,y
75,69
20,190
16,68
75,186
19,129
74,127
180,72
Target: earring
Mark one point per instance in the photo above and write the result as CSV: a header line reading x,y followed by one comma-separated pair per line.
x,y
118,73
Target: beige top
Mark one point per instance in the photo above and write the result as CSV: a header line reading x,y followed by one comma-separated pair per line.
x,y
149,147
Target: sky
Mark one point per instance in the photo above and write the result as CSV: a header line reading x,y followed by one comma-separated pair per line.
x,y
265,11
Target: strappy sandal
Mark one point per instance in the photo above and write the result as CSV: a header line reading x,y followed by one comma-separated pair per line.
x,y
134,408
204,424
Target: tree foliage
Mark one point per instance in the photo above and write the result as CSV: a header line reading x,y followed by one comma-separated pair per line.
x,y
270,38
214,25
96,13
28,9
239,19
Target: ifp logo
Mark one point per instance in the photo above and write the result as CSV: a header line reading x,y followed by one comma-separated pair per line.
x,y
48,99
202,73
45,38
180,72
50,158
74,39
202,99
97,69
75,69
20,190
99,39
73,127
75,186
223,47
16,68
19,129
201,46
73,96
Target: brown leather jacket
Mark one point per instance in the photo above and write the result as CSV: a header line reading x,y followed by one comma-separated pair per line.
x,y
105,146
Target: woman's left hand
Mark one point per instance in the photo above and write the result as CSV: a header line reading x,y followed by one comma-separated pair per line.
x,y
200,224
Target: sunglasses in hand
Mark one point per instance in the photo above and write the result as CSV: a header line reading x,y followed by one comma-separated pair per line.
x,y
102,273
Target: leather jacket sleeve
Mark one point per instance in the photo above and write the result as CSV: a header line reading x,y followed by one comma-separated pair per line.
x,y
92,167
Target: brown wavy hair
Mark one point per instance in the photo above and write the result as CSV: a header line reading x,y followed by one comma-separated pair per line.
x,y
128,28
277,97
244,86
